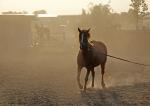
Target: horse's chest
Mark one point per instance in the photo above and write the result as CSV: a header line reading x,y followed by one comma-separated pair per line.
x,y
88,59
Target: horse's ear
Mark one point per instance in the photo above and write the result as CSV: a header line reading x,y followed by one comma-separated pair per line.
x,y
79,29
89,30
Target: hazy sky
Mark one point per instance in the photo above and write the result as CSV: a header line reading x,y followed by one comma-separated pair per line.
x,y
59,6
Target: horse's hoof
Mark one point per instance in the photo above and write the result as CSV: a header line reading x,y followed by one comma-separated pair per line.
x,y
84,89
103,86
92,86
80,86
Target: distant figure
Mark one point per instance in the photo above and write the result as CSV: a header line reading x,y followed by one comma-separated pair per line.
x,y
43,32
91,54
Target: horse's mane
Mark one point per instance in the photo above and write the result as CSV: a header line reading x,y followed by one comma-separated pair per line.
x,y
89,35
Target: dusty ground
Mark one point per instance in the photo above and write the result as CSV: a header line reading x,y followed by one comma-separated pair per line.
x,y
47,77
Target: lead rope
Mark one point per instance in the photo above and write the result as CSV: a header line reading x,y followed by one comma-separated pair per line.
x,y
118,58
127,60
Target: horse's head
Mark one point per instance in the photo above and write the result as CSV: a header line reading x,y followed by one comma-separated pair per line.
x,y
84,36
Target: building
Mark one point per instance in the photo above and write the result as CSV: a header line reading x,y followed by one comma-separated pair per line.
x,y
146,21
54,27
15,31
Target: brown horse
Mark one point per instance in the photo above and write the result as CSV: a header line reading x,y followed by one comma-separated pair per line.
x,y
91,54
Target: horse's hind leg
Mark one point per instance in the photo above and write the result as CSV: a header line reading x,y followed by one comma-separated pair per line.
x,y
93,76
78,77
86,79
102,72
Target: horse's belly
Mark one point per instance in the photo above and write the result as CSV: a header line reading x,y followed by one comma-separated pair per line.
x,y
94,61
101,59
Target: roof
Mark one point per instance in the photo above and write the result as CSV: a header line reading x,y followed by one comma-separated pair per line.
x,y
46,15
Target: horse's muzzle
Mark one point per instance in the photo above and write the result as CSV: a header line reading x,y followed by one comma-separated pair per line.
x,y
83,46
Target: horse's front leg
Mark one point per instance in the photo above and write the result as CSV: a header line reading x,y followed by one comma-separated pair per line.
x,y
78,77
93,76
102,72
86,78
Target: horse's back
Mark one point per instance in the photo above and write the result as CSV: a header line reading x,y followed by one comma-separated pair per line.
x,y
99,46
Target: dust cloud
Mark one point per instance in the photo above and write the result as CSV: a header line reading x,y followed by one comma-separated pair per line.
x,y
36,69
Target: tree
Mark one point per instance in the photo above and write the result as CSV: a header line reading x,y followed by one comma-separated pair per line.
x,y
15,12
139,9
40,12
83,12
101,17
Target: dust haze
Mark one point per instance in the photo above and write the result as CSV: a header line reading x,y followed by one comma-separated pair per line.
x,y
38,59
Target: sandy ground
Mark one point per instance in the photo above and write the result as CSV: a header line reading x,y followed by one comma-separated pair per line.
x,y
47,77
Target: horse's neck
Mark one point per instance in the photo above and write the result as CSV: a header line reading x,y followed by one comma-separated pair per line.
x,y
88,56
88,52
